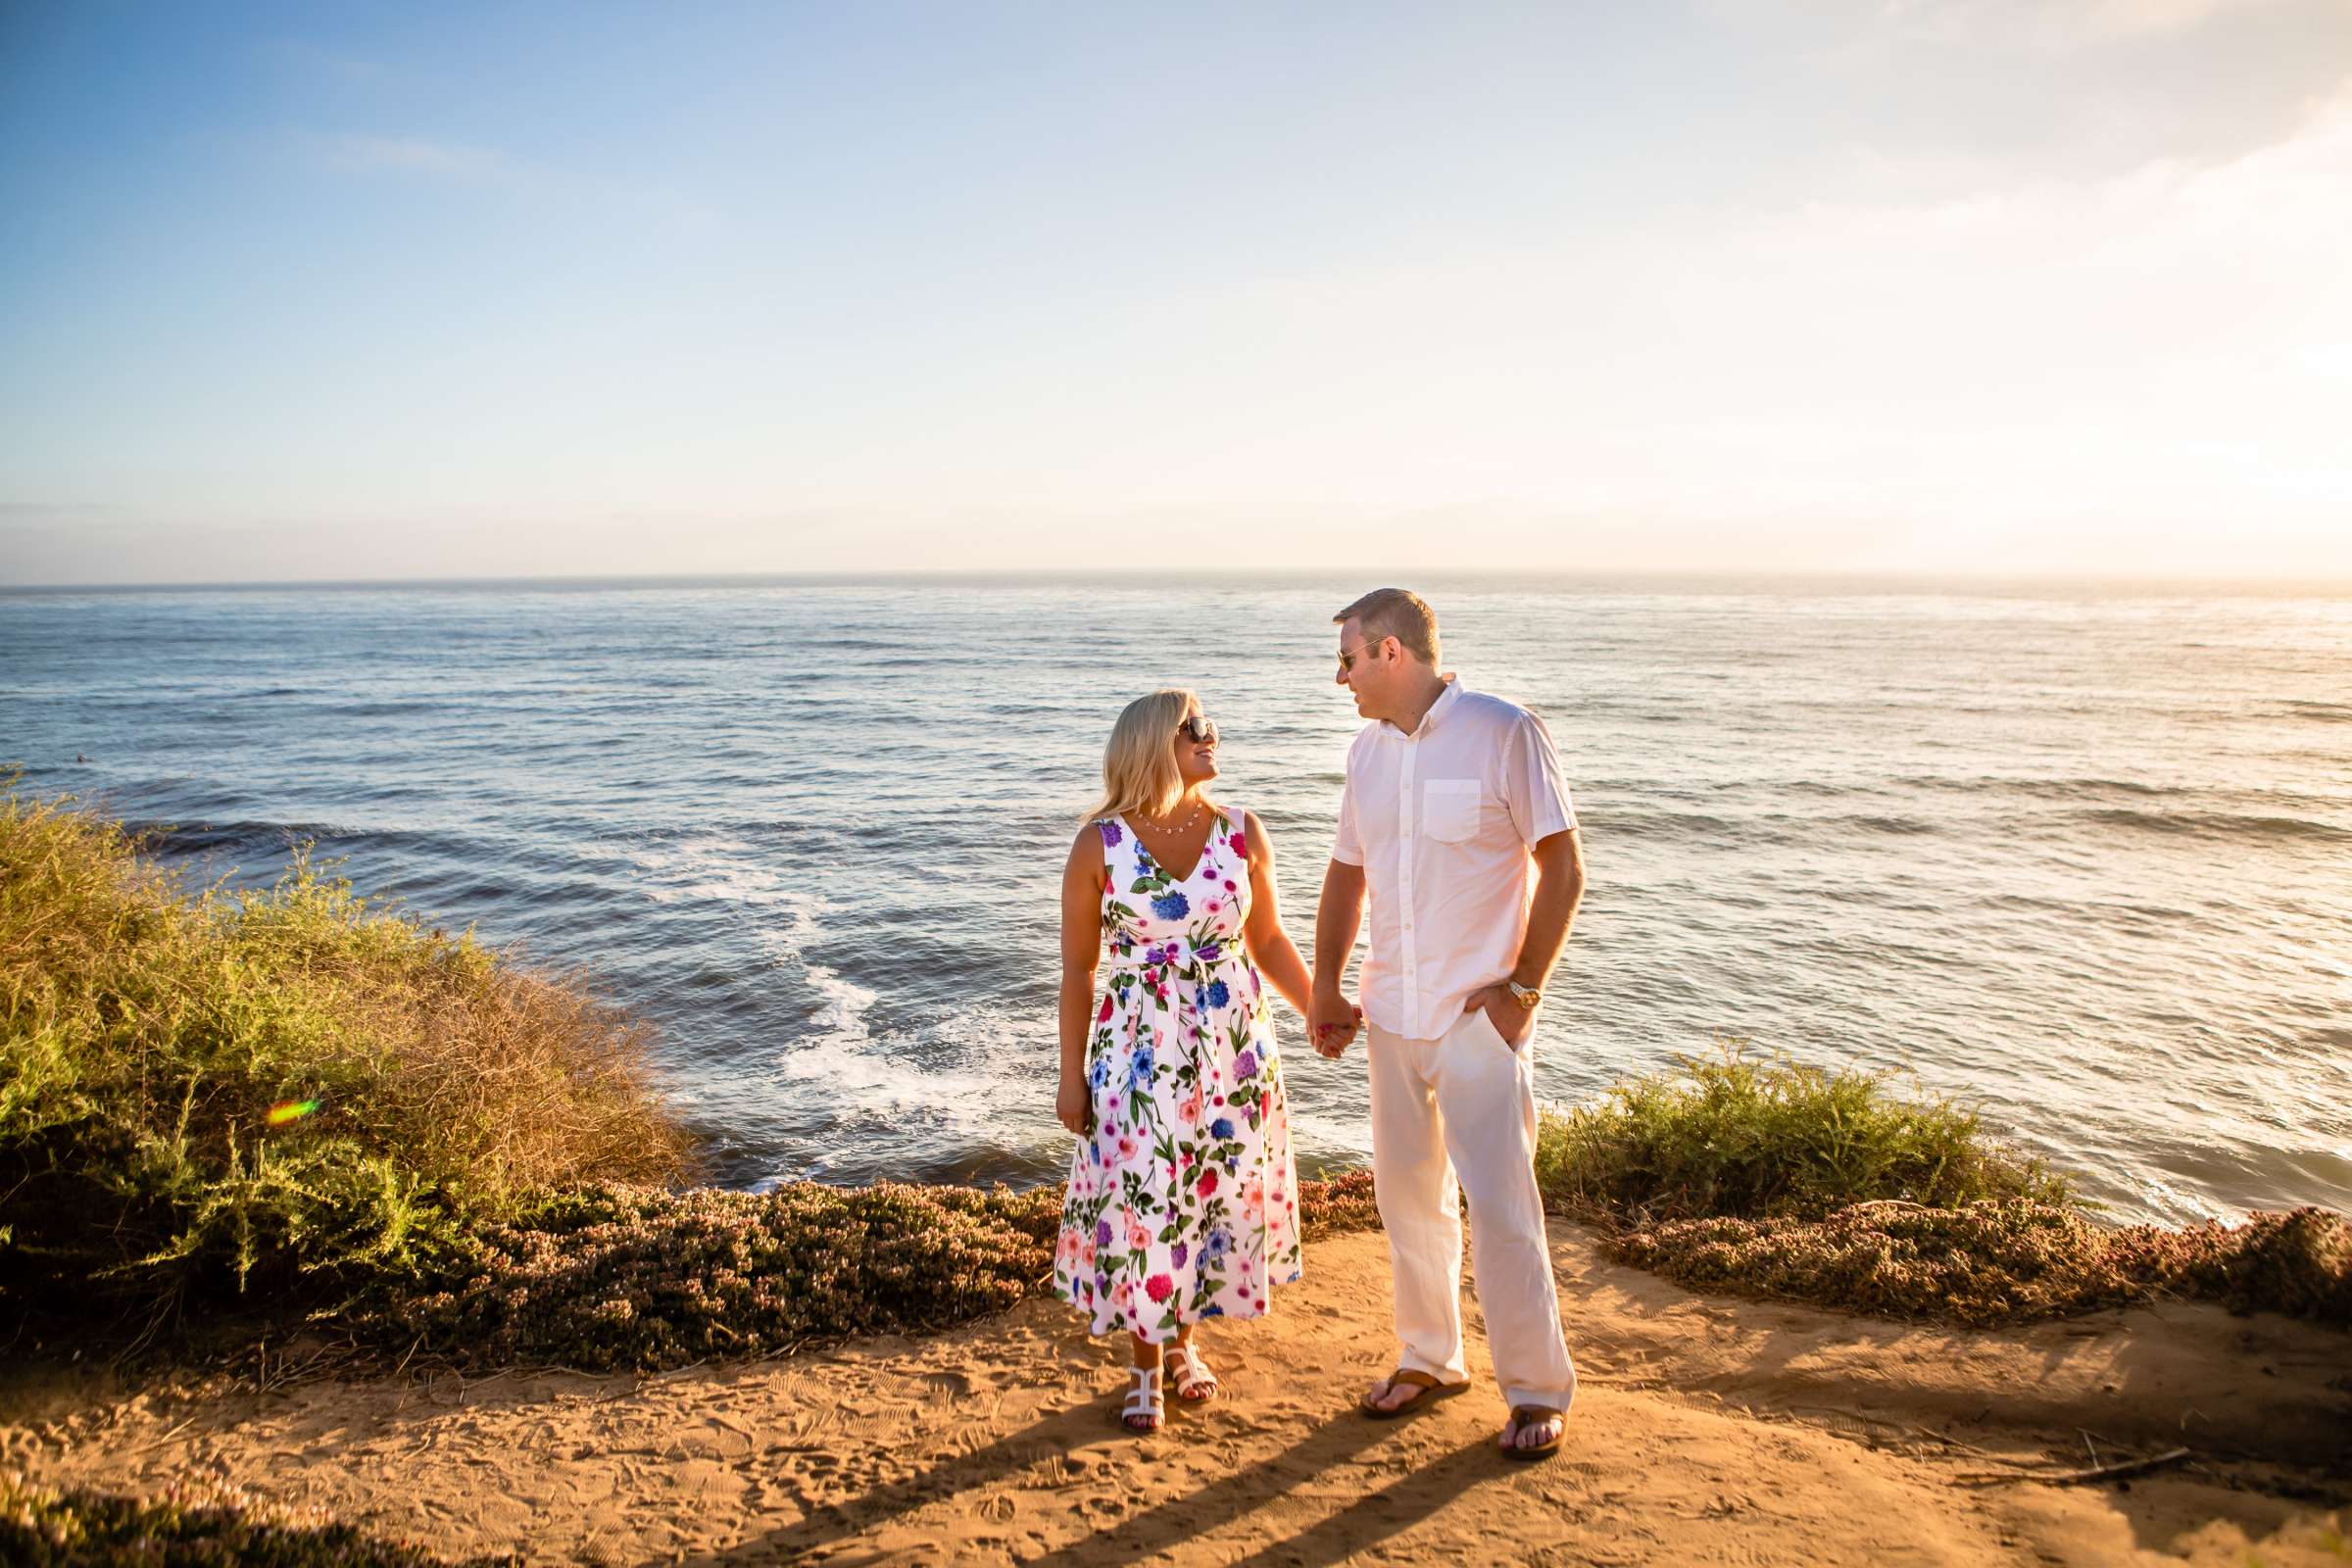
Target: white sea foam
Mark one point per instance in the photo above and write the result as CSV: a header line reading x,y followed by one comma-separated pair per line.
x,y
1323,1135
1005,1063
726,871
884,1075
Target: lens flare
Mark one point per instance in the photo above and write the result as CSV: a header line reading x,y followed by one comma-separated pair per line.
x,y
290,1110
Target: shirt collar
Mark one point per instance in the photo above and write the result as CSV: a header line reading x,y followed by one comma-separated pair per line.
x,y
1437,710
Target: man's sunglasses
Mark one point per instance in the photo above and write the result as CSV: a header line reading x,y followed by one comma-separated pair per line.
x,y
1203,730
1349,656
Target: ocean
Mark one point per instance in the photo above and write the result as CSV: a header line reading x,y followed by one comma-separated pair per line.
x,y
2081,858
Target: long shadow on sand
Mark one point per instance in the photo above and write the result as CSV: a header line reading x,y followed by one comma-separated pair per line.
x,y
1374,1517
1325,1450
829,1524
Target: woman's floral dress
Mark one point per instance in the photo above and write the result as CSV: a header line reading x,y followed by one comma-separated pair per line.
x,y
1184,1202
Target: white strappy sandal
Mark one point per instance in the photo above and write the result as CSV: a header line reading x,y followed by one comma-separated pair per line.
x,y
1143,1400
1195,1383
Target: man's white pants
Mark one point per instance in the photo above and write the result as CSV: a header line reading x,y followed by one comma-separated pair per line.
x,y
1463,1106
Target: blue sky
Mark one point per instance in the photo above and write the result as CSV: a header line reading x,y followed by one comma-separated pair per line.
x,y
2007,286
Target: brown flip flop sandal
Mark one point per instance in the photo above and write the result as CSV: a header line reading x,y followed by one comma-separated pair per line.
x,y
1411,1378
1524,1416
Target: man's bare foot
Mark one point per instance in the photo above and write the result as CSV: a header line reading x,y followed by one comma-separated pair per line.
x,y
1405,1390
1534,1432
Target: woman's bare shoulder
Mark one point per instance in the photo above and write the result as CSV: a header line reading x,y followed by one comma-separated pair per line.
x,y
1261,842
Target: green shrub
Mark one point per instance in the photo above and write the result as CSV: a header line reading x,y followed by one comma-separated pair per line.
x,y
1738,1136
194,1525
145,1036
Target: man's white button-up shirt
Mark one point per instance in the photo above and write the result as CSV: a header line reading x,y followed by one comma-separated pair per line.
x,y
1440,820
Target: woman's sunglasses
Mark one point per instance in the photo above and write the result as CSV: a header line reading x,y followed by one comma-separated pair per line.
x,y
1203,730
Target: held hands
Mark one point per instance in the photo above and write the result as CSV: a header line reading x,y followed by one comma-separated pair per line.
x,y
1332,1022
1510,1020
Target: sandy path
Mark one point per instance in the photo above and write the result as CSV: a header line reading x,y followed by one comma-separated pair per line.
x,y
1708,1431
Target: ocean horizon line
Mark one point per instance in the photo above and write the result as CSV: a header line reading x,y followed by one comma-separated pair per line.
x,y
1761,582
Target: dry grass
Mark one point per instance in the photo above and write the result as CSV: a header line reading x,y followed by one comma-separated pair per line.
x,y
147,1033
502,1079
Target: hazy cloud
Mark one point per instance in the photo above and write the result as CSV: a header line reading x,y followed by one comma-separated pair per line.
x,y
417,155
27,513
327,64
491,168
2035,26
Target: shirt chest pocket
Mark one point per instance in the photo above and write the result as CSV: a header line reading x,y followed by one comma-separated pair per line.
x,y
1450,807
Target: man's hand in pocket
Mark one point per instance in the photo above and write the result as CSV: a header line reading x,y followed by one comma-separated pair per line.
x,y
1510,1020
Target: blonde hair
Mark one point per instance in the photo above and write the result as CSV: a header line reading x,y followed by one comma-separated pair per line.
x,y
1138,765
1396,613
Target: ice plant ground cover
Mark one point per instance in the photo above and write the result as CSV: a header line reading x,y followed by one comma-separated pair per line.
x,y
2004,1262
638,1277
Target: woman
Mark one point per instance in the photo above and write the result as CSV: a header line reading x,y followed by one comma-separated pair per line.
x,y
1183,1202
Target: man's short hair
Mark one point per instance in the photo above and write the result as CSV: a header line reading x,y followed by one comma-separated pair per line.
x,y
1396,613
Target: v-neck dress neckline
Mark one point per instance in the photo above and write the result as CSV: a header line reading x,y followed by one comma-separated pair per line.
x,y
1208,848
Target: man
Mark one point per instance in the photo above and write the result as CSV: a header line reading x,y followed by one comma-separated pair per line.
x,y
1455,820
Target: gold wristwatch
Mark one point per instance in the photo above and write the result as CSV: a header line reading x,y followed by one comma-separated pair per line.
x,y
1526,996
